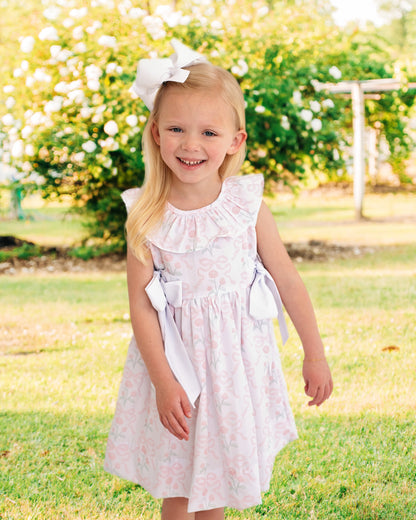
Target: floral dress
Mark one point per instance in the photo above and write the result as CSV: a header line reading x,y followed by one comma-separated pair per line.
x,y
215,303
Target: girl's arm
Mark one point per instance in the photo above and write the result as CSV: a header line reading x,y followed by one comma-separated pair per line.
x,y
172,402
316,373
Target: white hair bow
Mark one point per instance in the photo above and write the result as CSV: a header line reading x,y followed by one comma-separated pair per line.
x,y
151,73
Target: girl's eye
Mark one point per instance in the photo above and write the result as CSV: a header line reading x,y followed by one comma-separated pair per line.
x,y
176,129
209,133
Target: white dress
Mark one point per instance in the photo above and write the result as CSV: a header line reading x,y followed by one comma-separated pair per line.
x,y
220,301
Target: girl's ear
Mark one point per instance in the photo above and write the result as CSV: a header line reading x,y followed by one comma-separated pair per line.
x,y
155,133
239,139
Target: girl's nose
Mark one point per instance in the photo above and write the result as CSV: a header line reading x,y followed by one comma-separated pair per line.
x,y
190,143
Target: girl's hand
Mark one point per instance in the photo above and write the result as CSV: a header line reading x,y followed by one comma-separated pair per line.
x,y
318,380
174,407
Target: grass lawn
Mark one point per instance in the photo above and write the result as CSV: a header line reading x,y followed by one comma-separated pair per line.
x,y
63,339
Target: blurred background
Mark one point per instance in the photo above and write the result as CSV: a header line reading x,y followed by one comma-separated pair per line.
x,y
330,93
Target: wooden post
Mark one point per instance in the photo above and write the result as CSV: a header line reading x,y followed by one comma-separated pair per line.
x,y
357,96
373,159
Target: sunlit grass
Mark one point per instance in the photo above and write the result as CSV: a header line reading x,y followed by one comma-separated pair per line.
x,y
389,218
63,347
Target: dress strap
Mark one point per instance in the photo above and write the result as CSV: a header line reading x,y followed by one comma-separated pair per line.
x,y
163,296
265,301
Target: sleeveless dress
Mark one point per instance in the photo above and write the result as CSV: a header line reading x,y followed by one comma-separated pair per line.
x,y
215,302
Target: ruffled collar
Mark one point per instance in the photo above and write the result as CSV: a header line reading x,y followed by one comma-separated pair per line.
x,y
232,212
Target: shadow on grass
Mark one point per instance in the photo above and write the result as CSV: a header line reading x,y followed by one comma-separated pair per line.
x,y
360,467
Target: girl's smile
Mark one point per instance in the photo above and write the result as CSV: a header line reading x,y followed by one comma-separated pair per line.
x,y
195,131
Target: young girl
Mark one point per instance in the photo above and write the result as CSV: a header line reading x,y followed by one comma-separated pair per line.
x,y
203,408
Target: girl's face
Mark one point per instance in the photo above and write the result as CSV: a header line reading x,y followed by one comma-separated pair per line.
x,y
195,131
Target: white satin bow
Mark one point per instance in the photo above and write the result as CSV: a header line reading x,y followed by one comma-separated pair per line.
x,y
163,294
265,301
151,73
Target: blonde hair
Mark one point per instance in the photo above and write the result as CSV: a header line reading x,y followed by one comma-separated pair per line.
x,y
148,211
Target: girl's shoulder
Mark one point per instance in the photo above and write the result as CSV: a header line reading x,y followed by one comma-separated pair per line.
x,y
248,187
130,197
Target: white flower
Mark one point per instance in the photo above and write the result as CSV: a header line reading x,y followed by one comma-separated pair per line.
x,y
17,149
306,115
24,65
92,28
79,157
107,41
76,96
335,154
285,123
62,87
7,120
5,158
78,13
109,143
85,112
30,82
10,102
132,120
80,48
27,167
55,105
8,89
167,13
89,146
328,103
93,72
315,106
113,67
316,125
27,131
64,55
75,85
68,22
78,32
52,13
55,50
36,119
241,69
111,128
260,109
30,150
216,24
18,73
142,119
41,75
27,44
297,97
136,12
262,11
335,72
48,33
154,26
93,84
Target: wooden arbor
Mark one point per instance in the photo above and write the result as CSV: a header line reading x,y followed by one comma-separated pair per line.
x,y
358,90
